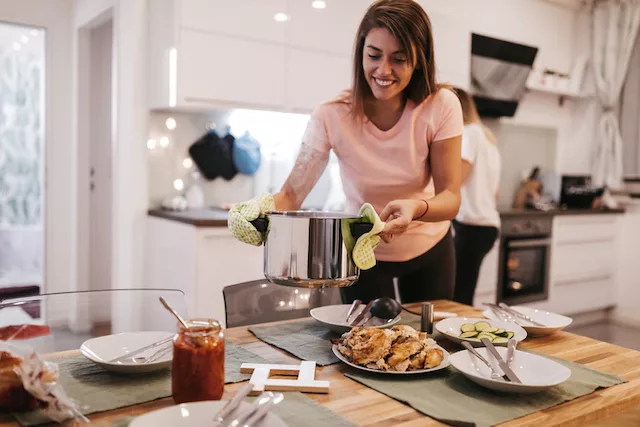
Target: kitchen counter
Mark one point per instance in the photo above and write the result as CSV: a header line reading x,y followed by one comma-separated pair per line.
x,y
513,213
205,217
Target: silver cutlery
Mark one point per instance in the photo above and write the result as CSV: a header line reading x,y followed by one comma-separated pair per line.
x,y
354,305
243,417
494,374
499,314
506,369
141,350
149,359
232,404
262,411
520,315
511,346
359,319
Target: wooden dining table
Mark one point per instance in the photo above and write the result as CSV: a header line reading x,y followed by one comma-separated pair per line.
x,y
366,407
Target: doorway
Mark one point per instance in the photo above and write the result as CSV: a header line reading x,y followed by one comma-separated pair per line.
x,y
95,149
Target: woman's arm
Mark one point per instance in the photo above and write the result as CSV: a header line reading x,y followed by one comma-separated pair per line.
x,y
447,176
306,172
446,172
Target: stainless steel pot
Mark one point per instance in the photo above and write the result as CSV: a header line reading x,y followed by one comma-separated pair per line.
x,y
307,249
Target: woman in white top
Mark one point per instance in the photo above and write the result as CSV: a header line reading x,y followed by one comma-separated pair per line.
x,y
478,221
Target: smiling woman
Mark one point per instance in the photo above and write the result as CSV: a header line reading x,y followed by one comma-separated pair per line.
x,y
397,136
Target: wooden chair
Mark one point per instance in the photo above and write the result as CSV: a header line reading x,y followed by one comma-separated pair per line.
x,y
260,301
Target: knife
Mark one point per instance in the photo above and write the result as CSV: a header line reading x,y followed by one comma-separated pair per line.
x,y
520,315
233,403
507,370
362,314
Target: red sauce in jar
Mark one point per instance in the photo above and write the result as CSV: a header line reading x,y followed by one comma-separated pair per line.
x,y
198,362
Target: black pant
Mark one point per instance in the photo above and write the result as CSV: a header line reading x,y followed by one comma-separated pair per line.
x,y
472,244
429,276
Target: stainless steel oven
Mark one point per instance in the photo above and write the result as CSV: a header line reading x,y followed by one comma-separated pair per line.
x,y
525,255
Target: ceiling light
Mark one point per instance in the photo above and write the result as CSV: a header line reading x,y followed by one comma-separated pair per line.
x,y
170,123
187,163
178,184
151,144
318,4
281,17
164,142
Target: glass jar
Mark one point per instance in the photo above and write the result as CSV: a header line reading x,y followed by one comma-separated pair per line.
x,y
198,362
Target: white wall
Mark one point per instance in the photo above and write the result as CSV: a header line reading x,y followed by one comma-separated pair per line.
x,y
55,16
559,33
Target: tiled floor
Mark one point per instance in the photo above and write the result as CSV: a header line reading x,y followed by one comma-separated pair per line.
x,y
624,336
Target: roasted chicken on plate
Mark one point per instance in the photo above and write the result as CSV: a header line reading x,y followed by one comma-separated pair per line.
x,y
400,349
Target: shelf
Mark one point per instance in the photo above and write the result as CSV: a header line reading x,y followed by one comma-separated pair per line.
x,y
562,95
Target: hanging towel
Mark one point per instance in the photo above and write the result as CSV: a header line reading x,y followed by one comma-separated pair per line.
x,y
241,215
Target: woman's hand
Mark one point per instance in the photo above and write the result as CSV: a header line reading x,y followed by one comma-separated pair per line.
x,y
398,215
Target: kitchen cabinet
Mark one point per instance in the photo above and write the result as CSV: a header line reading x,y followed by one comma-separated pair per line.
x,y
584,268
206,54
254,77
303,91
247,19
200,261
332,30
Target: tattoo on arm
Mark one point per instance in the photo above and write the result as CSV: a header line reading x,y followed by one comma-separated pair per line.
x,y
306,172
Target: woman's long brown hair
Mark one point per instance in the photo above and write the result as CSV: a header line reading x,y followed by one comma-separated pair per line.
x,y
407,21
469,110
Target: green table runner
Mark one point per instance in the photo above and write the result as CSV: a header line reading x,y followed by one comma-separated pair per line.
x,y
451,398
98,390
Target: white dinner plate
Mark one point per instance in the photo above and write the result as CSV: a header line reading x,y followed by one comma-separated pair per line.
x,y
450,329
197,414
101,350
537,373
553,322
334,316
442,365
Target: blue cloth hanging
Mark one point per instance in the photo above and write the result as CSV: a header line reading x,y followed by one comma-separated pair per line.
x,y
246,155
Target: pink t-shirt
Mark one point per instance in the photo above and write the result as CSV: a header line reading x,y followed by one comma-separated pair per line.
x,y
380,166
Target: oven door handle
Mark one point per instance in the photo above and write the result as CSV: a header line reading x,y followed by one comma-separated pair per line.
x,y
529,243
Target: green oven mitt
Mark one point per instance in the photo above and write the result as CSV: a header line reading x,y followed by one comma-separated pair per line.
x,y
241,215
363,251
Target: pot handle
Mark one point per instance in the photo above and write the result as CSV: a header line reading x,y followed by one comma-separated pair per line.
x,y
260,224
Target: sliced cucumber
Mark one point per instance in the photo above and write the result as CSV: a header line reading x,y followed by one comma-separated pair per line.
x,y
491,337
470,334
500,339
468,327
492,330
510,335
481,326
499,331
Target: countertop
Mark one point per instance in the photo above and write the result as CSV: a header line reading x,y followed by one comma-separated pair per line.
x,y
366,407
216,217
513,213
205,217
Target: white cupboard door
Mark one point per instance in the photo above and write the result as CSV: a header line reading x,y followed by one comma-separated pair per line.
x,y
223,261
251,19
314,77
220,69
332,29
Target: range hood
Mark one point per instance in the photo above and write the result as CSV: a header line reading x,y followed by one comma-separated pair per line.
x,y
499,72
